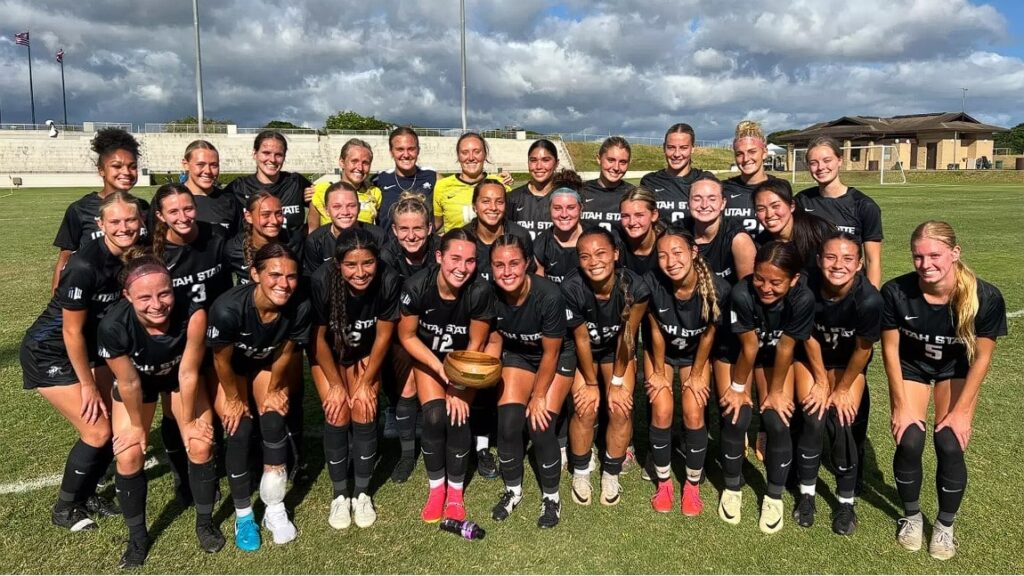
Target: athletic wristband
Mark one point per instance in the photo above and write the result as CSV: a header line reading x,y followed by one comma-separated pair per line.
x,y
618,380
737,387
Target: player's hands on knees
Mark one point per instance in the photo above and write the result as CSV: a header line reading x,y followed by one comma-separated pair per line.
x,y
960,424
234,411
335,403
585,399
731,403
363,402
620,400
457,407
901,420
128,437
276,401
537,412
846,410
93,405
816,401
656,384
698,387
198,429
782,405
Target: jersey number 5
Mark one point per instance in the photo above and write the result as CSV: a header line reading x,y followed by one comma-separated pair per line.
x,y
933,351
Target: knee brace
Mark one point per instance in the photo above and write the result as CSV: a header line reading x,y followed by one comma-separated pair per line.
x,y
336,455
273,486
511,420
906,467
364,454
733,445
432,439
951,476
696,452
809,449
549,456
236,462
275,438
779,455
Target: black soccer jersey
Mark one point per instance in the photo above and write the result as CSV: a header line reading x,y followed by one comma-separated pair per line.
x,y
90,281
541,315
289,189
558,261
199,270
672,192
718,252
602,317
79,225
528,210
156,357
854,212
793,316
739,202
680,320
392,185
838,324
483,251
640,264
443,325
393,255
234,321
601,205
234,255
929,348
219,207
320,245
362,312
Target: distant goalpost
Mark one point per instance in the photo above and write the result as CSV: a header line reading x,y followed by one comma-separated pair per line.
x,y
883,159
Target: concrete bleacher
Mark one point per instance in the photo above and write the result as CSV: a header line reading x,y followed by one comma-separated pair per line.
x,y
41,161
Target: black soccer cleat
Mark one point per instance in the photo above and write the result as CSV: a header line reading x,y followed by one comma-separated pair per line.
x,y
134,554
804,511
210,538
100,506
486,465
844,522
403,468
508,502
72,517
550,513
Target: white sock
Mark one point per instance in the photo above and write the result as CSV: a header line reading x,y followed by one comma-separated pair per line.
x,y
849,500
805,489
693,476
243,512
554,497
482,443
454,485
517,490
436,483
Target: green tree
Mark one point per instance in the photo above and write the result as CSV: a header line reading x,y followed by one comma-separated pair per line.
x,y
348,120
1014,139
773,137
188,123
206,121
282,125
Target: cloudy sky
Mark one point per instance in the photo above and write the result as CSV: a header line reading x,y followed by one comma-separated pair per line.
x,y
628,67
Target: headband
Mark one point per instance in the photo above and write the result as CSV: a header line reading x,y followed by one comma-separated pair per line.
x,y
144,270
567,191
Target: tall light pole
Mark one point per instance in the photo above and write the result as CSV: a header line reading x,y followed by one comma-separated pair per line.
x,y
963,101
462,19
199,67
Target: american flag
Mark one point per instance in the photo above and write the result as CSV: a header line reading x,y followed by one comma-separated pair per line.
x,y
21,38
60,56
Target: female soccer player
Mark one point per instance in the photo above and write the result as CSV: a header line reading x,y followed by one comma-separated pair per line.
x,y
538,368
671,184
684,316
785,221
444,309
412,247
491,223
406,177
257,332
528,205
355,162
213,204
117,157
341,202
847,320
154,344
59,357
605,306
939,330
453,195
263,223
601,197
772,311
194,252
555,248
749,149
723,243
845,207
638,230
292,189
355,303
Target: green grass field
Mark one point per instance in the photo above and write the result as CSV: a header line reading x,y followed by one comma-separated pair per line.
x,y
629,538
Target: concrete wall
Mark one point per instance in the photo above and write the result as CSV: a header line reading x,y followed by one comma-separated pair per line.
x,y
24,153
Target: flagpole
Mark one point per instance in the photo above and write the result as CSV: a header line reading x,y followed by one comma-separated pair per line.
x,y
63,93
199,67
31,91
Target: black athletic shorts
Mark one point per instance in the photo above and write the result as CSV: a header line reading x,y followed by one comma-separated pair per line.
x,y
43,366
566,362
911,373
151,389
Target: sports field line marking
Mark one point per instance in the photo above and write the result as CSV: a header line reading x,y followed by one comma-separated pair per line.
x,y
49,481
1016,314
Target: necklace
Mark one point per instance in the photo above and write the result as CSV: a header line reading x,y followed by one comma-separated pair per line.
x,y
411,186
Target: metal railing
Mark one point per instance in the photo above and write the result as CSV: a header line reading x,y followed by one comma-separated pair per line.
x,y
649,140
41,127
175,128
281,130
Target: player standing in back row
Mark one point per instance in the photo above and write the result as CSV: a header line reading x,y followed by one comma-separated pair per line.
x,y
671,184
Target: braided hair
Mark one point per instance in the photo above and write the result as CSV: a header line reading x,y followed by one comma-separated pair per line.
x,y
350,239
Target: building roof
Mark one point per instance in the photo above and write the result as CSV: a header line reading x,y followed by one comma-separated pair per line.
x,y
876,128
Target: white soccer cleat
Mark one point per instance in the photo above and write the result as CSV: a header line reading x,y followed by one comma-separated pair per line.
x,y
281,528
341,513
610,489
730,505
363,512
910,532
771,515
582,492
